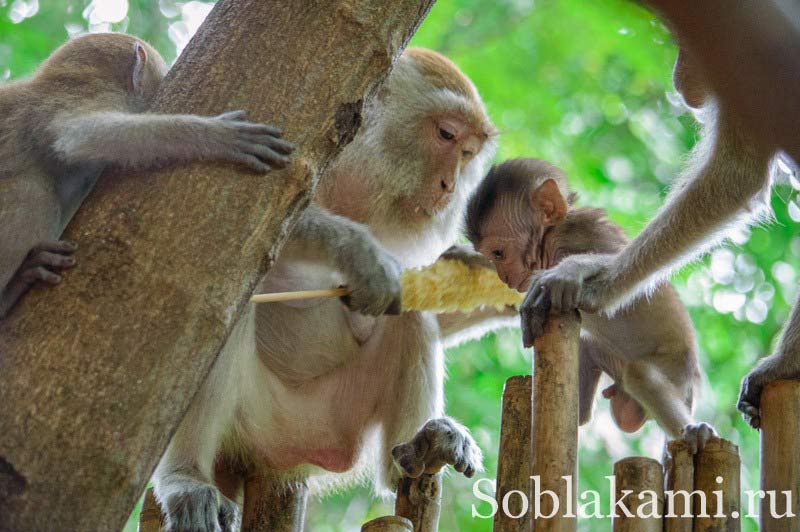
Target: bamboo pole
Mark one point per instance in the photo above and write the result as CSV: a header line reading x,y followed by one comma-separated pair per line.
x,y
420,501
270,508
150,518
389,523
554,438
780,455
514,455
716,473
679,478
644,477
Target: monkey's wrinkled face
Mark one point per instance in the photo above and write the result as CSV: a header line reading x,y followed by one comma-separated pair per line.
x,y
448,144
512,240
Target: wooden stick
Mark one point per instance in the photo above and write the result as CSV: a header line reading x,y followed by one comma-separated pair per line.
x,y
270,508
717,469
639,474
780,454
299,294
514,455
679,472
555,422
420,501
150,518
389,523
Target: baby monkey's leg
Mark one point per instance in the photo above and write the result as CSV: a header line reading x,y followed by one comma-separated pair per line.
x,y
664,384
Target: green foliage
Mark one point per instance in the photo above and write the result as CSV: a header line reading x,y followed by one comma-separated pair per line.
x,y
583,84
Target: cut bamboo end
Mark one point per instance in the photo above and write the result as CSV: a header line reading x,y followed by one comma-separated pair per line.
x,y
554,438
389,523
269,508
420,501
679,478
150,518
644,477
514,455
780,455
717,475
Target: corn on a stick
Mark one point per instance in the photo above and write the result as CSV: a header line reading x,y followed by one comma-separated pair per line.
x,y
444,286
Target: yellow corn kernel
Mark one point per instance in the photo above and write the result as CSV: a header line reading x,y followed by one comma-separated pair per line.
x,y
450,285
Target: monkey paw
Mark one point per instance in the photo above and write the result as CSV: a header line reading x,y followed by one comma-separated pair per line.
x,y
771,368
438,443
533,313
45,261
257,146
373,278
203,509
697,435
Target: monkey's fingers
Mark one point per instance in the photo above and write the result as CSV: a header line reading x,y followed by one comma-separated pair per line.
x,y
250,161
533,314
274,159
58,246
52,261
255,128
40,273
277,144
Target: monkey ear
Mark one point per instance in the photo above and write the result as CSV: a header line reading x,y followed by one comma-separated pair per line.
x,y
139,64
548,200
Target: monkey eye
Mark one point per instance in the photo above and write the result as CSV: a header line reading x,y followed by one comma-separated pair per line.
x,y
498,254
446,135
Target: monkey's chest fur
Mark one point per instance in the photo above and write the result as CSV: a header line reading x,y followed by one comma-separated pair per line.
x,y
319,388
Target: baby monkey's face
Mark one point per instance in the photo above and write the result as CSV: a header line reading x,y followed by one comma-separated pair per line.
x,y
511,239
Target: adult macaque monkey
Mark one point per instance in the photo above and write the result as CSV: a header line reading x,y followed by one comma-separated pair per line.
x,y
521,218
82,110
726,181
319,392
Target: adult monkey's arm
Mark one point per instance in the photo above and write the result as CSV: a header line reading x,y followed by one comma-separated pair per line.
x,y
750,52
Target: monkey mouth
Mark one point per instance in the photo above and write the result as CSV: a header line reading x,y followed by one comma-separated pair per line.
x,y
523,285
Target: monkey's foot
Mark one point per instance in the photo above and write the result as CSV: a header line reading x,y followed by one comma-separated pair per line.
x,y
438,443
697,435
46,260
202,509
772,368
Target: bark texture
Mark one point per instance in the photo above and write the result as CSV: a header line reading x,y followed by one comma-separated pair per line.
x,y
389,523
640,476
271,508
716,473
514,457
420,501
679,472
554,435
780,455
96,374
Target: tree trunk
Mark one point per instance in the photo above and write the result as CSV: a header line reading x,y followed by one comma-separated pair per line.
x,y
96,374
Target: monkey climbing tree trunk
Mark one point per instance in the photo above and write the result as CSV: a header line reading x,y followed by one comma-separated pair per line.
x,y
96,374
554,425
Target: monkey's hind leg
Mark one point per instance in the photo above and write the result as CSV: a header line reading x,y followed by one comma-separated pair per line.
x,y
652,384
30,221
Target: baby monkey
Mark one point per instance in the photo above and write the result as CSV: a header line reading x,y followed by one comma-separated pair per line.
x,y
521,218
85,109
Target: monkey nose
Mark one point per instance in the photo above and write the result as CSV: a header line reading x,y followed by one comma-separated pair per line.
x,y
448,186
